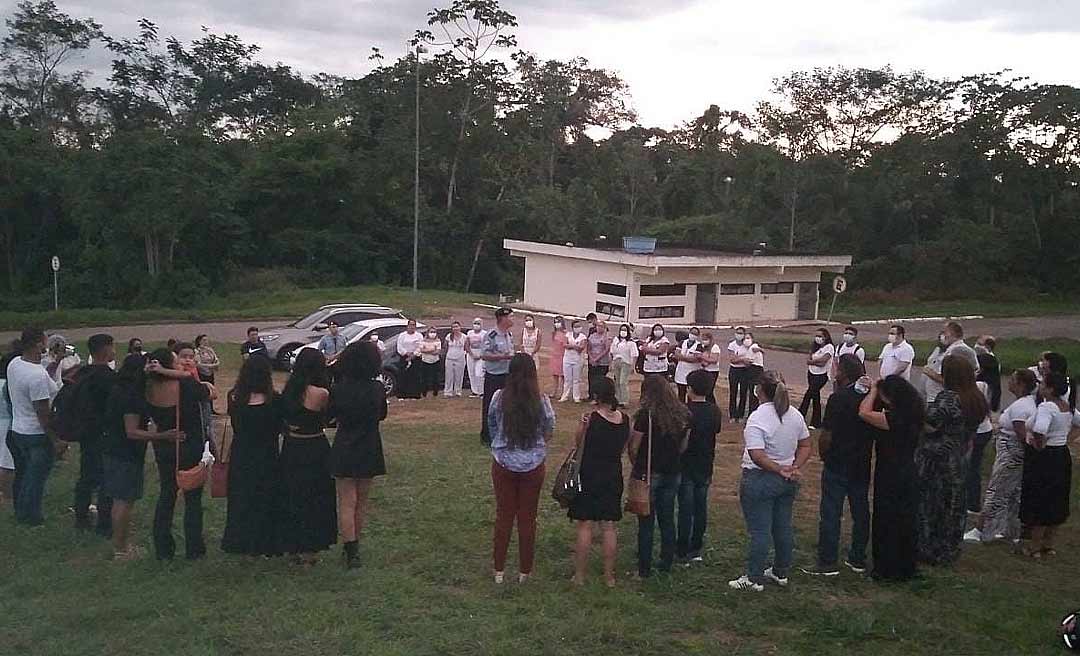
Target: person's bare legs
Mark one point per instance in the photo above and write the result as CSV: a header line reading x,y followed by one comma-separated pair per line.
x,y
346,508
558,384
611,548
1047,546
1035,541
363,489
121,523
581,551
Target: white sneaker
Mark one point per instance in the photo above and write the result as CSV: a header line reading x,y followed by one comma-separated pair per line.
x,y
973,536
744,583
782,582
499,576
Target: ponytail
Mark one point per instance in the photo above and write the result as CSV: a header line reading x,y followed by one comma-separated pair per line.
x,y
772,383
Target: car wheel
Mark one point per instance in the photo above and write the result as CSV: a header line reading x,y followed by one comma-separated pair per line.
x,y
284,357
389,381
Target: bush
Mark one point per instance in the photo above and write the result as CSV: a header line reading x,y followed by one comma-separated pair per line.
x,y
180,288
247,281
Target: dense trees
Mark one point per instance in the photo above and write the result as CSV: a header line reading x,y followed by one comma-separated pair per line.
x,y
195,162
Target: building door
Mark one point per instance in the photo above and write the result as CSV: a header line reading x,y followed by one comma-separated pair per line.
x,y
808,300
705,308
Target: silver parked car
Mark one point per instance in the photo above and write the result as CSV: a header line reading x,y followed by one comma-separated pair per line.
x,y
282,341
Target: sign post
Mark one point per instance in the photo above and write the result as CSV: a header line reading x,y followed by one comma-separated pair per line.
x,y
56,282
839,286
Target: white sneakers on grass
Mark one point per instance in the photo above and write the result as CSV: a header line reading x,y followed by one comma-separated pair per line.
x,y
744,583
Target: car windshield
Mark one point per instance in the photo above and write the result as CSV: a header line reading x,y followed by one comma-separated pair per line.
x,y
308,322
352,331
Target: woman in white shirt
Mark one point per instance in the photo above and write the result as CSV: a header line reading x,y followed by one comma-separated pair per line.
x,y
624,353
754,356
1000,517
688,359
573,362
817,374
656,349
408,350
1047,479
455,361
474,347
711,353
530,340
777,446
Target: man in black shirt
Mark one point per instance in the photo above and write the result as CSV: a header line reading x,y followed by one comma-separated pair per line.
x,y
253,345
95,383
697,467
844,443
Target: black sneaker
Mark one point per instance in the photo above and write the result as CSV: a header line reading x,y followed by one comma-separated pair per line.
x,y
858,568
821,570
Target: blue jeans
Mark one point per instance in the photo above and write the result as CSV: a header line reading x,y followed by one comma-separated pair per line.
x,y
664,488
835,488
693,516
766,501
974,472
35,458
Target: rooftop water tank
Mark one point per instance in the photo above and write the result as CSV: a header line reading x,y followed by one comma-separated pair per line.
x,y
639,245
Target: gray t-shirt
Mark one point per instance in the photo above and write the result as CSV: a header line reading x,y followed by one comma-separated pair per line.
x,y
960,349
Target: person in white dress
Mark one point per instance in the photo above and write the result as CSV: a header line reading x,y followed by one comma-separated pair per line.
x,y
474,347
574,362
530,340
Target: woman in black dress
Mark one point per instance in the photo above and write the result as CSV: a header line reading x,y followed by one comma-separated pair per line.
x,y
254,476
896,408
309,516
601,440
358,402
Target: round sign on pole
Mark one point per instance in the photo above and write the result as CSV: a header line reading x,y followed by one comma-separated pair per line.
x,y
55,263
839,284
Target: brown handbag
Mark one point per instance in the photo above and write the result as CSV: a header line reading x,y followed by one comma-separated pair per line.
x,y
639,492
219,471
187,479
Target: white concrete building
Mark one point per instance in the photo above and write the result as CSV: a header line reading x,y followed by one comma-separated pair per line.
x,y
676,286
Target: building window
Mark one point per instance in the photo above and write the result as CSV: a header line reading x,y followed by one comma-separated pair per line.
x,y
663,290
609,289
662,312
741,289
777,288
611,309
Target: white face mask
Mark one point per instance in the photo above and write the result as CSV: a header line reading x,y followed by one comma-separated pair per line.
x,y
748,341
849,338
529,324
819,340
625,334
739,337
477,326
374,338
693,337
893,338
658,333
432,335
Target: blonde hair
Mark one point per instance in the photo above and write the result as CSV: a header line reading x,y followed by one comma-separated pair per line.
x,y
772,383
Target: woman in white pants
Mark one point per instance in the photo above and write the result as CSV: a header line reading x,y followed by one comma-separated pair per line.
x,y
455,361
474,347
624,354
573,362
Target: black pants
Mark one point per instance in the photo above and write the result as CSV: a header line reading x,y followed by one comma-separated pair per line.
x,y
91,478
429,378
737,392
974,473
681,387
596,371
409,382
753,379
164,544
813,396
20,466
492,383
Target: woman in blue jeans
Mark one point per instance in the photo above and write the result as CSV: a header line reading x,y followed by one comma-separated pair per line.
x,y
667,441
777,446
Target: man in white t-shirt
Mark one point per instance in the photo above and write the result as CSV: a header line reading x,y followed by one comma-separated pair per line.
x,y
31,389
898,354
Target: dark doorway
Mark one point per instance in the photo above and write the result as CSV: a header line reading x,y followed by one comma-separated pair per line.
x,y
705,308
808,299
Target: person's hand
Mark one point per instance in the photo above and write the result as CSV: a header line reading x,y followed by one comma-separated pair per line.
x,y
173,436
790,472
867,382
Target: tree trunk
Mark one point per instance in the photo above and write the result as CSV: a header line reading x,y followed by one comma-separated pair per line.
x,y
551,166
451,187
472,269
794,201
9,253
1037,232
153,256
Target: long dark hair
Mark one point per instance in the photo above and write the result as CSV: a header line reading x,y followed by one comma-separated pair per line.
x,y
310,369
360,361
522,408
1059,383
814,348
670,416
132,372
907,404
255,377
959,377
604,391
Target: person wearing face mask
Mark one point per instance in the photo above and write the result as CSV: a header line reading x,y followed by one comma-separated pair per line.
x,y
573,360
474,347
737,387
817,374
897,356
408,350
931,384
656,349
455,361
952,338
989,369
850,344
624,353
688,359
430,356
599,351
710,362
497,352
755,369
530,340
558,349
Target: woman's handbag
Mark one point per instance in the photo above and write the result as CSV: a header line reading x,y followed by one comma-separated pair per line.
x,y
568,480
639,492
187,479
219,471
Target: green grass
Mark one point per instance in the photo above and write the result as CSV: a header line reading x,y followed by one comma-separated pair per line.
x,y
851,309
259,304
425,589
1012,352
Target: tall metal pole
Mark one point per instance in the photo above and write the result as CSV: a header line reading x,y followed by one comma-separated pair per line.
x,y
56,290
416,185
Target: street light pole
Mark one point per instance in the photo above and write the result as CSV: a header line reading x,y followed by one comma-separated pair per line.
x,y
416,184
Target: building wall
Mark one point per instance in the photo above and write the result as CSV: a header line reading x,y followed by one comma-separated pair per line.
x,y
569,286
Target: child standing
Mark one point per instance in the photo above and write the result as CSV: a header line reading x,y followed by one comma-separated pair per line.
x,y
697,467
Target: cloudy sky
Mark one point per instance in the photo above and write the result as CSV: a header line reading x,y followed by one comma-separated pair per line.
x,y
679,56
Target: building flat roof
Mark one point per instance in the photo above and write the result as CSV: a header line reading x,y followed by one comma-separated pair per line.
x,y
677,256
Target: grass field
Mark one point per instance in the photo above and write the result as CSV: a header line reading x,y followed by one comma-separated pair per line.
x,y
851,309
260,304
425,587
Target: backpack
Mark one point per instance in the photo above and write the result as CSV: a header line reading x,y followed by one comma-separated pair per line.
x,y
72,414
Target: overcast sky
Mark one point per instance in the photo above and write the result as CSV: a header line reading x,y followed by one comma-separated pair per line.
x,y
678,56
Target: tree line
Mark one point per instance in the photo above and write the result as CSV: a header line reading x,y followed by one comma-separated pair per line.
x,y
194,164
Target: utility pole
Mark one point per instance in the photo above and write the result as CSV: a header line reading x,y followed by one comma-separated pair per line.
x,y
416,182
